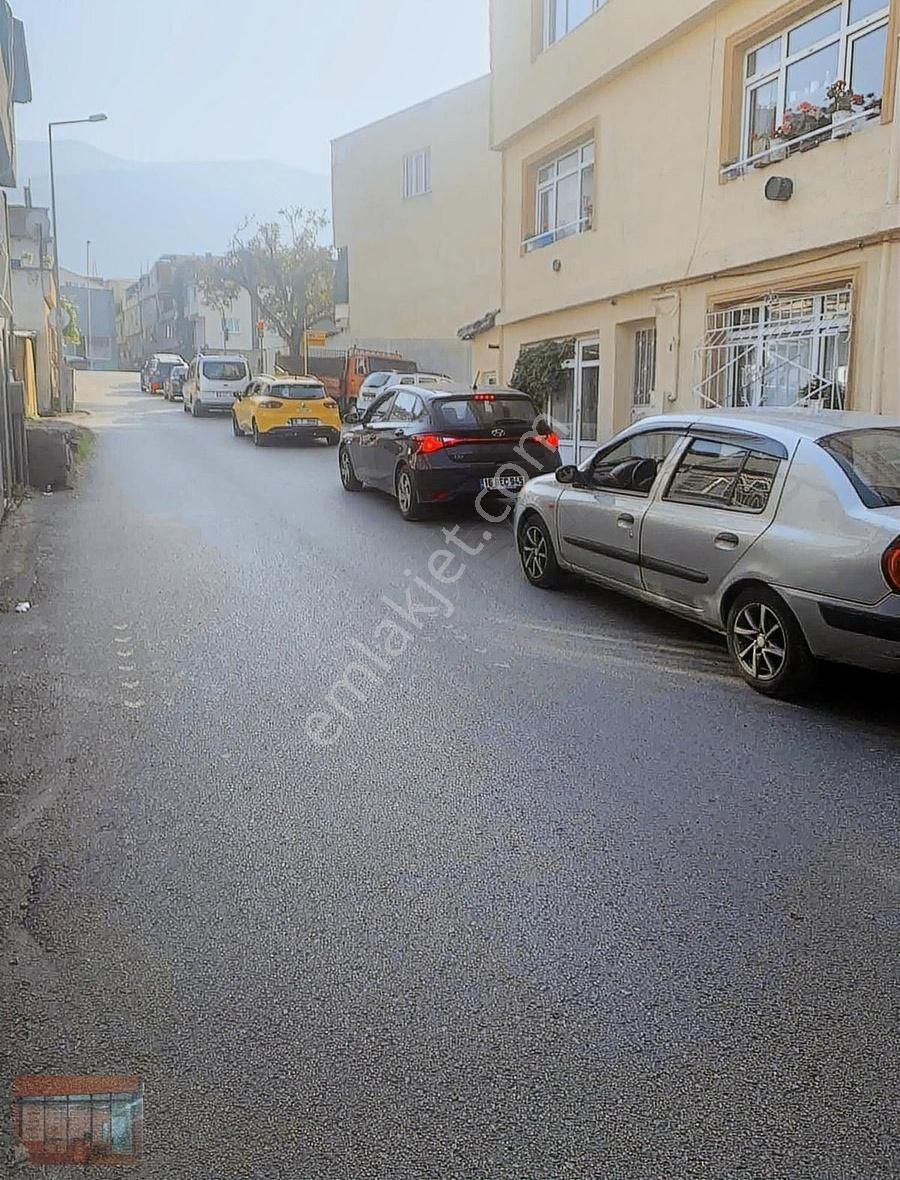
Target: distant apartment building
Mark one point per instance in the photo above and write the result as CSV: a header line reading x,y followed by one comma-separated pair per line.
x,y
34,301
95,304
681,202
165,311
416,213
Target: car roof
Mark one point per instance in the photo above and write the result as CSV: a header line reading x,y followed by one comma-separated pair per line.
x,y
309,381
168,356
442,389
786,425
222,356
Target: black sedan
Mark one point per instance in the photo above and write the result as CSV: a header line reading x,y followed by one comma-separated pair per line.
x,y
446,444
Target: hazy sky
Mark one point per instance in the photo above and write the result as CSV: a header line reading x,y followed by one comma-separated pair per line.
x,y
241,79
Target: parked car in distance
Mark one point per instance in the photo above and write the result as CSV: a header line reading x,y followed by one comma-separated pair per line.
x,y
157,370
213,382
377,383
445,444
174,383
779,528
296,408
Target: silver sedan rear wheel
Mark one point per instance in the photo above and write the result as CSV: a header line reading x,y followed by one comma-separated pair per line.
x,y
767,644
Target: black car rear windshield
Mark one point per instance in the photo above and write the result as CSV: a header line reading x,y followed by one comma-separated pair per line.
x,y
297,392
224,370
164,368
871,461
485,410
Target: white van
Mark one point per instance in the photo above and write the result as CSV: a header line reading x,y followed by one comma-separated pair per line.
x,y
213,383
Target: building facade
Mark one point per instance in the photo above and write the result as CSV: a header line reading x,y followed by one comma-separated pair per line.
x,y
416,214
680,203
34,300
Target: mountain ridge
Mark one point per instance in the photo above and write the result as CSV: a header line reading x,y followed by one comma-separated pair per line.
x,y
134,211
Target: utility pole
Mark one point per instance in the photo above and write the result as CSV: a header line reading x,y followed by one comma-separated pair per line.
x,y
60,349
87,344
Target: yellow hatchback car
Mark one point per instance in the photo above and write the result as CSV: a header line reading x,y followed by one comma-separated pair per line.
x,y
286,407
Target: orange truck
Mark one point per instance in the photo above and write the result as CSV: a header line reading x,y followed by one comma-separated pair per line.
x,y
342,373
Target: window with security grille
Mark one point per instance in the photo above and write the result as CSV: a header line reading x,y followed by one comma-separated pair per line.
x,y
644,376
786,350
417,173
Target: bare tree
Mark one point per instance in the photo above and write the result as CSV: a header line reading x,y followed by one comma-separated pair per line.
x,y
283,266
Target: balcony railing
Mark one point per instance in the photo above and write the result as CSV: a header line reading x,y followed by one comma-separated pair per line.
x,y
787,147
548,237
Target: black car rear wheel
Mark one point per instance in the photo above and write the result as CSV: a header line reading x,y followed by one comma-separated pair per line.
x,y
767,645
408,495
537,554
348,475
259,439
236,430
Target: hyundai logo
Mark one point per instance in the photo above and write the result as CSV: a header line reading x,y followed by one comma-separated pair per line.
x,y
498,433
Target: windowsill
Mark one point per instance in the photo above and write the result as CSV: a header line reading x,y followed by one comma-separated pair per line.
x,y
801,143
552,236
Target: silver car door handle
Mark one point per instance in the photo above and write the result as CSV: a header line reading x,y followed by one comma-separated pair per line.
x,y
625,520
727,541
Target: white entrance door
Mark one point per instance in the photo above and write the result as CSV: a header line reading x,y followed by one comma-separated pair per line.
x,y
574,409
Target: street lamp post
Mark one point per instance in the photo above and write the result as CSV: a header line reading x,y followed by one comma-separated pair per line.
x,y
60,352
87,349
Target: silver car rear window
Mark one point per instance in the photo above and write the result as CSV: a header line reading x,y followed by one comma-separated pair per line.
x,y
871,461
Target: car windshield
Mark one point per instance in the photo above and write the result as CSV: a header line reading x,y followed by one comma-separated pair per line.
x,y
871,461
297,392
485,410
376,380
224,370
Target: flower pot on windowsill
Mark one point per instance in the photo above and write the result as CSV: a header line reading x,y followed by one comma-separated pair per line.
x,y
778,151
842,124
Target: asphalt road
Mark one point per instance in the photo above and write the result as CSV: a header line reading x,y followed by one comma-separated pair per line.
x,y
560,898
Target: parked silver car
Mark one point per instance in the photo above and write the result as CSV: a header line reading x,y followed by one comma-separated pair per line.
x,y
780,528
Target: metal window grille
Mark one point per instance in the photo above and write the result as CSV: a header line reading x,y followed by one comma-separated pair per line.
x,y
785,350
417,173
644,378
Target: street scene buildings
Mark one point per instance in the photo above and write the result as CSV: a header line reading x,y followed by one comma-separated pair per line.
x,y
450,638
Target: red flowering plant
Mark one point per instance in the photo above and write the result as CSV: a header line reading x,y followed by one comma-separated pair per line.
x,y
842,97
801,121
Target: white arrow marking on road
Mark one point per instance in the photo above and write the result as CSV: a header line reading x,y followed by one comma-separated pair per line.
x,y
126,667
124,655
120,626
122,639
133,704
131,684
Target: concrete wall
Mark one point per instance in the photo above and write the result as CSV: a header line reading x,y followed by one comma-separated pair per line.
x,y
420,267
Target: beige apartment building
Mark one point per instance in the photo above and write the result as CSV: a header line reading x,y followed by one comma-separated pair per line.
x,y
652,213
416,213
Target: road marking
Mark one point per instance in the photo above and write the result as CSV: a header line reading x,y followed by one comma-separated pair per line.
x,y
134,704
131,684
120,626
122,639
126,667
124,655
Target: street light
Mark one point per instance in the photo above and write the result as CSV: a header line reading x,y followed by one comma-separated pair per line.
x,y
60,352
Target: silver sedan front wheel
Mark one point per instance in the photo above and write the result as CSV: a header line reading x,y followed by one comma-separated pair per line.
x,y
537,554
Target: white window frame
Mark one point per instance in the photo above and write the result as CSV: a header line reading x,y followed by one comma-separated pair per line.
x,y
231,325
553,173
846,37
417,173
552,10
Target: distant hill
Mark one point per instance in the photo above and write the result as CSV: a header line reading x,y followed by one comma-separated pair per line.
x,y
133,212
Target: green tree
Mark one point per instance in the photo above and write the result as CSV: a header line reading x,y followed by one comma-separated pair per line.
x,y
284,267
71,332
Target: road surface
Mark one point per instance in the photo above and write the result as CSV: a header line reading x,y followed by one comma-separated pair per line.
x,y
545,893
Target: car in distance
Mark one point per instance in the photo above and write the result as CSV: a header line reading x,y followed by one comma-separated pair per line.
x,y
445,444
213,382
376,383
174,383
297,408
157,370
780,528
